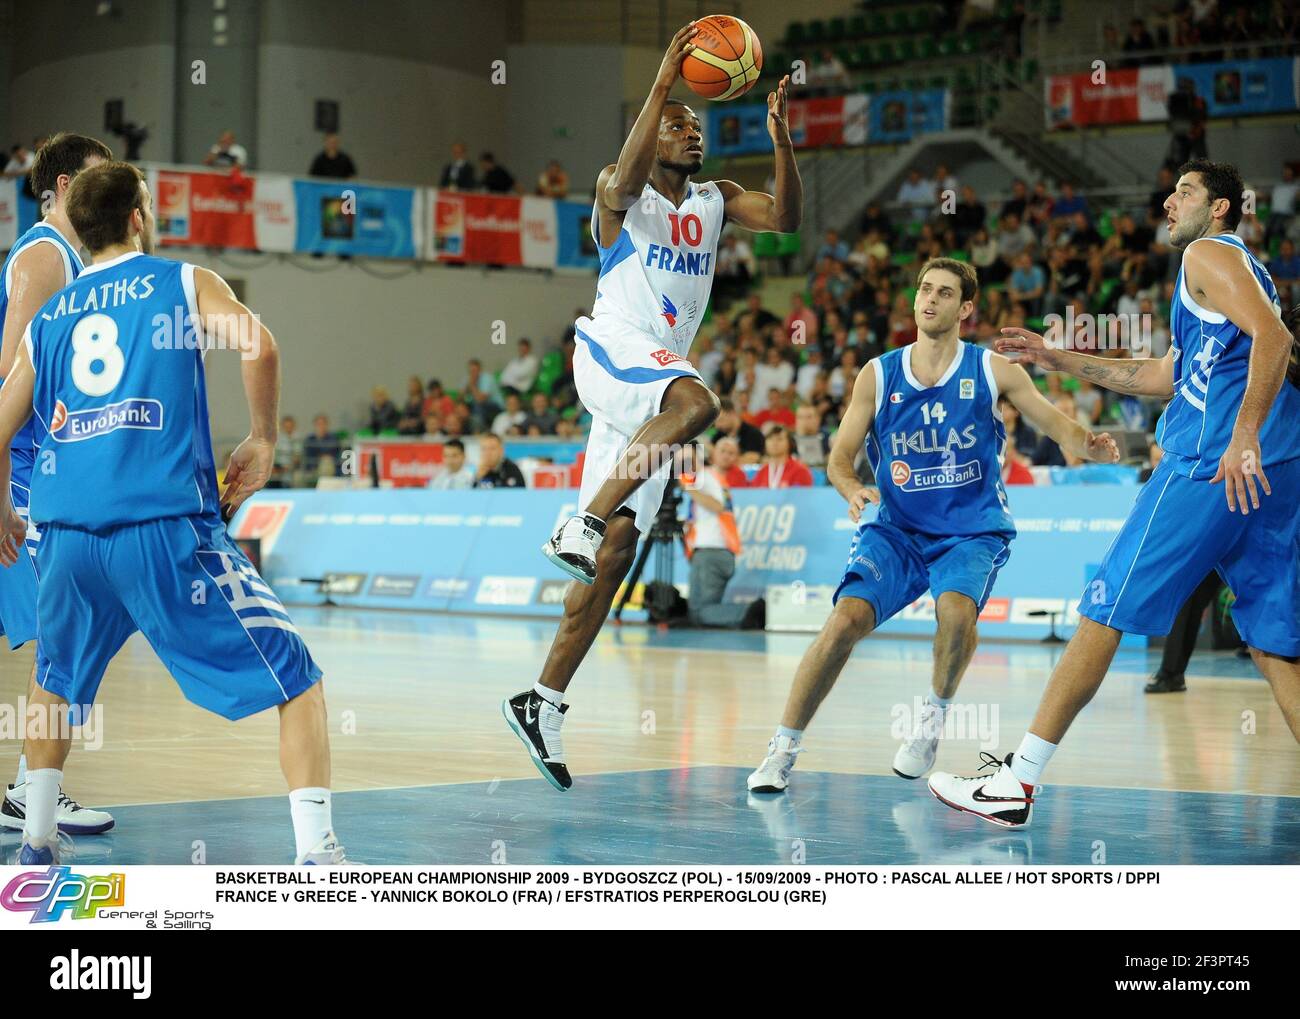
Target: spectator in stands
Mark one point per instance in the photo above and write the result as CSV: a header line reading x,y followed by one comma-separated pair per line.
x,y
754,317
411,421
511,420
1286,267
1068,204
778,409
481,392
874,219
832,247
801,323
1022,440
917,195
436,401
458,175
809,372
455,474
983,254
812,443
1137,41
521,370
384,414
943,184
828,75
969,216
495,178
725,458
1028,284
1187,116
775,372
748,438
1018,204
1282,203
541,420
553,182
1014,238
322,452
226,152
331,161
902,324
843,375
736,267
780,469
20,161
495,469
288,455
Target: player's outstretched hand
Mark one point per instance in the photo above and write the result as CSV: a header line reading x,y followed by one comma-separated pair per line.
x,y
1102,449
860,499
13,535
248,471
675,54
778,124
1024,347
1242,463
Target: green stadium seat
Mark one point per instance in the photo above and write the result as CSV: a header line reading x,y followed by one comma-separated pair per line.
x,y
879,26
921,19
967,45
857,27
795,35
961,256
816,31
860,58
927,49
947,46
789,244
837,29
765,245
885,54
907,50
900,22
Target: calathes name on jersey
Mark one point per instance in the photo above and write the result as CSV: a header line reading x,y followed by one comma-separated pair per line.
x,y
110,295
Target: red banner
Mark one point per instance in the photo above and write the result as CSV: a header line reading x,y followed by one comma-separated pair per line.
x,y
1108,96
477,228
206,209
405,464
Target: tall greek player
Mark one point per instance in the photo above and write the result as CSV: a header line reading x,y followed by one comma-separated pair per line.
x,y
44,260
928,413
657,232
132,531
1232,417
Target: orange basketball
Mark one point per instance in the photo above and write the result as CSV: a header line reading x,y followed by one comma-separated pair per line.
x,y
726,60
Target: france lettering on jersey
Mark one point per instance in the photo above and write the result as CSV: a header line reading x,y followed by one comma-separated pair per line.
x,y
24,443
657,275
120,400
1211,361
937,451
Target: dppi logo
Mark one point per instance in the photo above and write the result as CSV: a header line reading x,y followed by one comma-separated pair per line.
x,y
666,356
900,472
47,896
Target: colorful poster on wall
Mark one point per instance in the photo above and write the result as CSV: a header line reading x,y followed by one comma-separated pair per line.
x,y
224,210
482,229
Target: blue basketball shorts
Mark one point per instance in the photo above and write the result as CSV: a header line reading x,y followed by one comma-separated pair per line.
x,y
218,628
890,567
1180,530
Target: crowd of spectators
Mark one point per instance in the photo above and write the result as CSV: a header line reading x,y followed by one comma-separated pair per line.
x,y
1214,29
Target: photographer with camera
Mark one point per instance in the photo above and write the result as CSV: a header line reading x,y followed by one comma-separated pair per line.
x,y
712,544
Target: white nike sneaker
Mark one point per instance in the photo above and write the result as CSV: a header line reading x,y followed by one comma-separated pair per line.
x,y
328,852
773,775
916,756
573,547
998,797
72,817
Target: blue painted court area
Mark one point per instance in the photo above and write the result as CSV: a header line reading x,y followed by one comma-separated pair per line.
x,y
703,815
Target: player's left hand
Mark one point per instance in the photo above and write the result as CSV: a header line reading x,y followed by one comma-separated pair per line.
x,y
248,470
1242,463
778,126
864,495
13,535
1101,449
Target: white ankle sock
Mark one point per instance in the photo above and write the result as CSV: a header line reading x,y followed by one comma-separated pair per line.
x,y
939,702
555,697
42,801
1031,758
310,809
21,777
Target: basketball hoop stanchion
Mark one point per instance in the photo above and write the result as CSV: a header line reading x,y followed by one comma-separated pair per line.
x,y
1052,637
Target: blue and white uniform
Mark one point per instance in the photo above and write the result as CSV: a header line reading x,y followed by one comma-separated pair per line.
x,y
18,582
654,285
132,536
1180,528
943,523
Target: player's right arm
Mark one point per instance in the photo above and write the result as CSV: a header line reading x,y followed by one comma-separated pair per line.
x,y
620,185
15,409
36,275
1138,376
852,433
220,312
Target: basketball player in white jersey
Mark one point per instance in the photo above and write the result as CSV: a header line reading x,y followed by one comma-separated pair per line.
x,y
657,233
43,261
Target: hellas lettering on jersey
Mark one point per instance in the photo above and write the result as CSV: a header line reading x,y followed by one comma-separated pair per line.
x,y
112,294
669,259
926,440
76,425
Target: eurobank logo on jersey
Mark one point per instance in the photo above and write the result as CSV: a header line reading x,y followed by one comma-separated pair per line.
x,y
76,425
49,894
